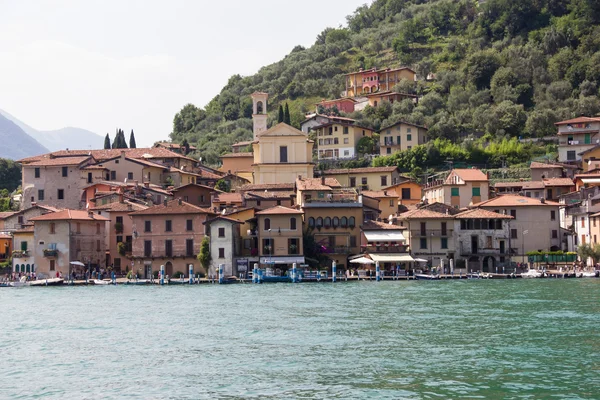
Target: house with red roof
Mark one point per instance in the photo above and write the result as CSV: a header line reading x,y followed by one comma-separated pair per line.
x,y
576,136
460,188
280,237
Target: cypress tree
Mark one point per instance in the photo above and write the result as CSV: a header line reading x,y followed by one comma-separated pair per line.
x,y
286,116
132,144
280,117
186,147
107,142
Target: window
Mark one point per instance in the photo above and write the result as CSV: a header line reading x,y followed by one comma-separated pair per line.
x,y
293,223
384,181
336,141
221,252
41,195
119,239
363,180
398,140
60,194
406,194
513,213
513,233
352,182
311,222
346,140
97,228
335,222
283,156
293,246
444,229
571,155
553,217
189,225
346,153
423,243
345,130
130,175
113,175
268,245
65,171
169,248
351,222
267,224
392,203
98,245
23,246
52,228
221,232
408,130
327,222
168,225
423,228
444,244
555,234
147,248
454,192
78,227
37,172
52,265
476,191
409,137
388,150
343,222
119,220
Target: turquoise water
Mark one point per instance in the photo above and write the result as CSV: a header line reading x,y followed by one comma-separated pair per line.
x,y
417,340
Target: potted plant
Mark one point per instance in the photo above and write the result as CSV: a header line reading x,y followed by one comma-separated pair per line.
x,y
121,248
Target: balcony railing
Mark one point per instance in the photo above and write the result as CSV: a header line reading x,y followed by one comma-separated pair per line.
x,y
431,232
467,251
385,249
50,253
20,253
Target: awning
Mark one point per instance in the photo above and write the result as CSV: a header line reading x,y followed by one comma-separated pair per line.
x,y
362,260
400,257
282,260
384,236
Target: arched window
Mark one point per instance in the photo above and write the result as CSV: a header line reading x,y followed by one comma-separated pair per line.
x,y
28,268
327,222
351,222
319,222
335,222
344,222
32,267
293,223
311,222
267,224
259,107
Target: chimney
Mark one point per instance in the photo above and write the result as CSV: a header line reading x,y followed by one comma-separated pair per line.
x,y
543,200
165,201
122,153
90,214
179,201
323,180
385,192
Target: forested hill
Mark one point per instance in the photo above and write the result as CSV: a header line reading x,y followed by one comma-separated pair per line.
x,y
505,68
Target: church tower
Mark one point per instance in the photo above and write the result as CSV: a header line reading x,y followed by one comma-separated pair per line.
x,y
259,112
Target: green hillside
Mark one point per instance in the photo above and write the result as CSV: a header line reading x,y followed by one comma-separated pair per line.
x,y
503,68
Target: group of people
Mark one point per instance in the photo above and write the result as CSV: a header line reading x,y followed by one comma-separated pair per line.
x,y
17,276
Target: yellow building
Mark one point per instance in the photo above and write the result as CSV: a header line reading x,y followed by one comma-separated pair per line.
x,y
409,192
401,136
338,140
388,201
460,189
369,178
280,236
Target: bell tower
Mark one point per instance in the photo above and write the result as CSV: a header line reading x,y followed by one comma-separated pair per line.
x,y
259,112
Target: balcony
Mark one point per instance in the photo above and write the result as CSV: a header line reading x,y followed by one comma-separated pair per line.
x,y
431,232
20,253
468,251
399,248
50,253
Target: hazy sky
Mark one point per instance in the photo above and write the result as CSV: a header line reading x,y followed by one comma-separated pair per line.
x,y
104,64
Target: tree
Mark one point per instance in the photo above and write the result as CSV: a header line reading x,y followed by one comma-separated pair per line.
x,y
587,250
365,145
481,67
119,142
107,142
204,255
280,115
222,185
132,141
286,115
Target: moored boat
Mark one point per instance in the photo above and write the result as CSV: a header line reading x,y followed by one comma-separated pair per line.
x,y
47,282
427,277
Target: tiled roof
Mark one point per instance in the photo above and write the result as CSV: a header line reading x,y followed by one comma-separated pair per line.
x,y
120,207
532,185
50,162
268,186
539,165
198,186
336,100
239,144
227,197
173,207
512,200
422,213
224,218
317,184
558,182
279,210
106,154
380,193
209,175
268,195
469,175
25,229
7,214
578,120
147,163
238,155
5,236
399,123
480,213
375,225
509,184
359,170
79,215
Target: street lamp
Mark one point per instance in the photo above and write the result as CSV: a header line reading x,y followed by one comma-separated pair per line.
x,y
431,249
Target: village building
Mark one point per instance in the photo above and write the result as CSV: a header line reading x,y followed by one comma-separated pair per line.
x,y
345,104
168,234
409,192
541,171
261,200
238,163
368,178
23,258
314,120
198,195
461,188
65,236
375,99
223,201
280,237
338,140
225,244
248,254
176,148
5,246
575,137
366,81
401,136
17,220
385,244
389,202
3,217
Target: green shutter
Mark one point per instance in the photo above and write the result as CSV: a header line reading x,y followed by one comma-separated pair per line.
x,y
24,246
476,191
454,192
588,139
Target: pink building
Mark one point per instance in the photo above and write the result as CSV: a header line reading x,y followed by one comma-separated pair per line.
x,y
344,104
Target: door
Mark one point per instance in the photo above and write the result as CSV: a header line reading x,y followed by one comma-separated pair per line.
x,y
474,245
502,249
148,272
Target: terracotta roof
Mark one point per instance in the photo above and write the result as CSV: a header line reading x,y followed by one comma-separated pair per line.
x,y
209,175
120,207
401,122
7,214
268,186
239,144
5,236
25,229
422,213
480,213
509,184
532,185
106,154
539,165
469,175
359,170
577,120
268,195
375,226
380,193
222,217
279,210
227,197
512,200
197,185
558,182
146,162
238,155
173,207
317,184
50,162
332,117
336,100
79,215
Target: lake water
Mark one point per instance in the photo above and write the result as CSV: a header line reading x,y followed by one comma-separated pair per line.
x,y
364,340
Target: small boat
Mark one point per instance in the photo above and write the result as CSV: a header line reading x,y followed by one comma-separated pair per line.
x,y
532,273
100,282
139,282
589,274
479,275
427,277
47,282
20,283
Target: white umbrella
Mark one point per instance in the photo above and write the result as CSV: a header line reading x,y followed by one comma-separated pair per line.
x,y
77,263
362,260
420,260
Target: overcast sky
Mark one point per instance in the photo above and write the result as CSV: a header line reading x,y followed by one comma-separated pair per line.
x,y
132,64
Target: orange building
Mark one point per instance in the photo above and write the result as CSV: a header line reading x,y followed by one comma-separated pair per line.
x,y
373,80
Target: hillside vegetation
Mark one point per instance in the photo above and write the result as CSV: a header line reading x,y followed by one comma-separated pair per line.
x,y
504,69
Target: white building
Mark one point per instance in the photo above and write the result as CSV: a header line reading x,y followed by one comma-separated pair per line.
x,y
224,244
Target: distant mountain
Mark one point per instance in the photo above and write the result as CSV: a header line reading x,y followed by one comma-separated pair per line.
x,y
16,143
60,139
